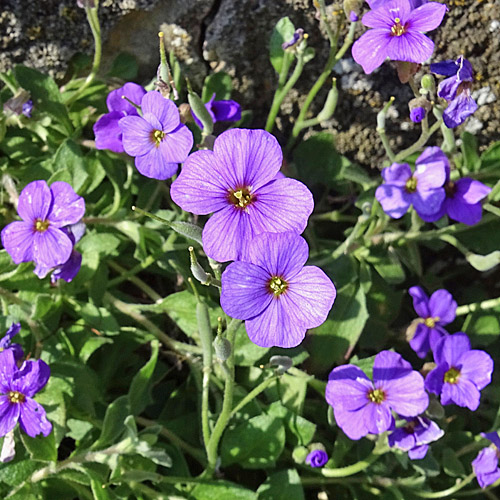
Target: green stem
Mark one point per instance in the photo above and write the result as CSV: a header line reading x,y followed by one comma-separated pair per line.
x,y
381,129
478,306
93,20
227,403
176,440
333,58
350,470
253,394
422,140
280,95
449,144
152,294
443,493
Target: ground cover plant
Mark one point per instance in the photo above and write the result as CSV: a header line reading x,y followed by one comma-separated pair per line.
x,y
195,309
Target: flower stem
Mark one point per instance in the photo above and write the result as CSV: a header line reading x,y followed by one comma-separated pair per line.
x,y
478,306
421,141
444,493
93,20
253,394
227,403
381,129
152,294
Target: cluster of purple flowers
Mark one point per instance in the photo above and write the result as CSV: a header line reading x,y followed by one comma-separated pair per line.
x,y
19,382
257,218
48,231
485,465
430,190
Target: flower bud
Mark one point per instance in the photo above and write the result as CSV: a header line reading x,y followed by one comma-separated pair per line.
x,y
352,9
330,104
198,272
299,454
419,107
222,348
296,39
428,83
282,363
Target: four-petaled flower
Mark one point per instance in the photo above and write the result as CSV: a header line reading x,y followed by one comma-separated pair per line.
x,y
108,134
397,33
157,139
317,458
40,236
6,341
461,372
272,290
456,90
17,388
485,465
237,181
415,436
220,111
423,188
435,312
364,407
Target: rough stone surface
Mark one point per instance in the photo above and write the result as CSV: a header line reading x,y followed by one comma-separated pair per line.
x,y
233,36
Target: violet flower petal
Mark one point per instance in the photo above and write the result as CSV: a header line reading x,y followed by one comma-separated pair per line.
x,y
67,208
420,301
107,131
476,366
485,466
163,109
226,111
370,49
31,377
459,110
471,191
245,290
418,452
17,239
463,212
154,165
426,17
51,248
132,91
442,305
406,395
177,144
9,415
464,393
420,341
353,423
450,348
137,135
69,269
434,380
412,47
35,201
395,202
33,419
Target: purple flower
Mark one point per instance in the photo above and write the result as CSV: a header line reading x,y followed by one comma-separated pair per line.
x,y
6,341
297,37
361,406
70,268
456,90
424,188
40,236
415,437
157,139
272,290
417,114
17,387
220,111
485,465
462,200
317,458
27,108
237,182
108,134
461,372
397,33
375,4
435,312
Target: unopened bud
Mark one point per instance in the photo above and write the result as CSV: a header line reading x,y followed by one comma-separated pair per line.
x,y
428,83
419,107
330,104
198,272
435,409
406,70
298,36
19,104
352,9
282,363
222,348
299,454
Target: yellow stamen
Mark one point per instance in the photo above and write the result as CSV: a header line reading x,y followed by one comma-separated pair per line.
x,y
158,136
278,285
452,376
41,225
16,397
240,197
376,396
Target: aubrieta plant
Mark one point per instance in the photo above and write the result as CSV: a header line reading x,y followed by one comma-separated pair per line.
x,y
207,304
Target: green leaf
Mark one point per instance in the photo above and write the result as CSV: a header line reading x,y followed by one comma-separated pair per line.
x,y
387,264
124,67
219,84
102,243
44,93
114,419
317,159
254,444
491,157
329,343
484,262
282,32
484,326
156,455
100,490
199,109
140,389
221,490
15,473
40,447
99,318
291,391
246,353
282,485
470,152
69,166
451,464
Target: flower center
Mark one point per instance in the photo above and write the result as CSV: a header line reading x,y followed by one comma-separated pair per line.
x,y
157,136
450,189
16,397
411,185
410,428
240,197
431,322
376,396
397,29
41,225
277,285
452,376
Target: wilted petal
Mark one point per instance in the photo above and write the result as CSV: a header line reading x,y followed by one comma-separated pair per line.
x,y
32,377
370,50
245,290
17,239
274,327
69,269
51,248
445,68
68,208
250,158
459,110
35,201
447,89
33,419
